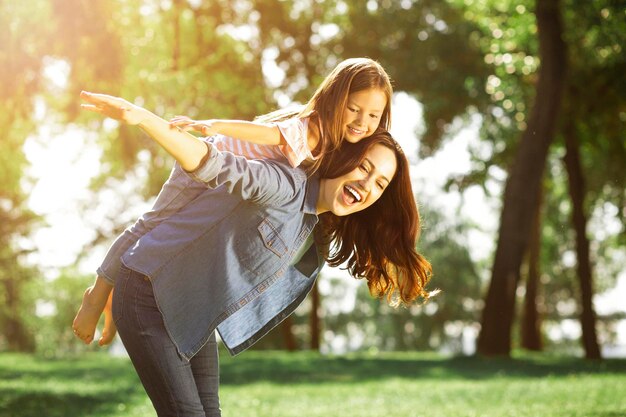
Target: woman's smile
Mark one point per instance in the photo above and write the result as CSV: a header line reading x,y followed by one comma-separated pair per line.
x,y
361,187
351,195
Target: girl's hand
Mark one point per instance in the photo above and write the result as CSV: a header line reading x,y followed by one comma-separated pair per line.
x,y
114,107
185,123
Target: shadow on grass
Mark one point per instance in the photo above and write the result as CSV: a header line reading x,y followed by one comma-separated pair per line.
x,y
606,414
28,403
93,385
309,367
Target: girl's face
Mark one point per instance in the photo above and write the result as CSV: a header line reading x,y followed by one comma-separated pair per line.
x,y
361,116
361,187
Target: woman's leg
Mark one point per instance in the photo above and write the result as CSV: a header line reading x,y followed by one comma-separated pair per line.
x,y
168,379
205,368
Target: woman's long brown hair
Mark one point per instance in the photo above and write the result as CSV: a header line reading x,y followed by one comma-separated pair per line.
x,y
377,243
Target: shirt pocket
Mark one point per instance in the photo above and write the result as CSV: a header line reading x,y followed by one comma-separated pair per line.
x,y
263,250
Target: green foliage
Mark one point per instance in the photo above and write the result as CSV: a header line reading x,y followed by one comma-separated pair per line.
x,y
88,39
594,110
204,59
23,34
176,61
506,35
17,302
60,299
560,288
172,59
594,99
430,51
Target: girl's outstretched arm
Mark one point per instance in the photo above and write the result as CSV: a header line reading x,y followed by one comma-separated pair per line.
x,y
255,132
186,148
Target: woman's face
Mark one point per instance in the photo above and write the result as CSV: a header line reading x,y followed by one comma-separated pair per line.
x,y
361,187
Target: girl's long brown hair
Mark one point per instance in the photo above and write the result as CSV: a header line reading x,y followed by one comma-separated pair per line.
x,y
327,104
377,243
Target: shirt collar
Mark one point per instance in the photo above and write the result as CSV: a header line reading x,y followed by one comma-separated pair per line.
x,y
311,196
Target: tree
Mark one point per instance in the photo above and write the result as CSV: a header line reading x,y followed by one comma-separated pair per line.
x,y
593,125
579,220
531,322
522,186
22,40
590,135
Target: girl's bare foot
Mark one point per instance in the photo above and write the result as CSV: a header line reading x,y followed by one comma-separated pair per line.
x,y
109,330
86,319
94,301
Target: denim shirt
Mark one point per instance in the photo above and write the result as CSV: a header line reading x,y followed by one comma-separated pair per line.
x,y
178,191
223,260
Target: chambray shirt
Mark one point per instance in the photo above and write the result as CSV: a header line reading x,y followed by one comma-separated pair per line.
x,y
223,260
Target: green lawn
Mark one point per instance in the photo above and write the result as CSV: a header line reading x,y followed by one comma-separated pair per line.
x,y
276,384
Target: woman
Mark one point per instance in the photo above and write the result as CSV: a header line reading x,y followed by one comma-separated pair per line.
x,y
241,258
350,104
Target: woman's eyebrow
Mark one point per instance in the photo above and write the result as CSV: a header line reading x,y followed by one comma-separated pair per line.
x,y
374,168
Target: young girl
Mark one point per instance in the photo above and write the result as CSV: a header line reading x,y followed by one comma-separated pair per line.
x,y
351,103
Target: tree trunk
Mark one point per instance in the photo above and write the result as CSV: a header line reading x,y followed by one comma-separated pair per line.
x,y
531,326
314,319
15,332
522,186
579,221
288,337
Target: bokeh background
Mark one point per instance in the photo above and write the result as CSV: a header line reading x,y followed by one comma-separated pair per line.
x,y
513,115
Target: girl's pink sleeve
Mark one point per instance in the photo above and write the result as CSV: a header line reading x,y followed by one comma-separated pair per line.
x,y
294,131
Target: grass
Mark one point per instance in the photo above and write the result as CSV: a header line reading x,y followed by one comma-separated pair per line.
x,y
277,384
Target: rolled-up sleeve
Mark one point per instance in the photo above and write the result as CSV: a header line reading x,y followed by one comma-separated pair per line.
x,y
260,181
111,264
208,167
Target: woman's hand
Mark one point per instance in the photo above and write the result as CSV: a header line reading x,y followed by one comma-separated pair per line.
x,y
188,150
186,123
114,107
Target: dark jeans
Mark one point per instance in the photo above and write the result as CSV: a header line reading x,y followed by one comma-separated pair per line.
x,y
175,386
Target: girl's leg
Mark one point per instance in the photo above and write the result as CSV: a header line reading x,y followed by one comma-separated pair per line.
x,y
167,378
205,368
109,330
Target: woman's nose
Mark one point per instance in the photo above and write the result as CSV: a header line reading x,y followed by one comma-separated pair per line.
x,y
365,184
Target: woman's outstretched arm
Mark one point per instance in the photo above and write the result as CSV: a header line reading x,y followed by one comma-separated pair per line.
x,y
259,181
186,148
